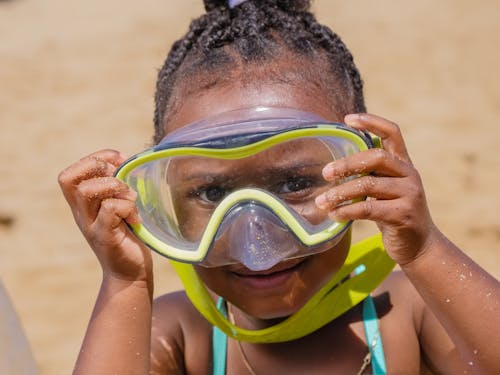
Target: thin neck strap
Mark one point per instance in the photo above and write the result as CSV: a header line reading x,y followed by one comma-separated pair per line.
x,y
219,343
373,339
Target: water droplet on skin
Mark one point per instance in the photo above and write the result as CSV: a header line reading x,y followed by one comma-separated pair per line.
x,y
462,277
448,300
475,351
471,363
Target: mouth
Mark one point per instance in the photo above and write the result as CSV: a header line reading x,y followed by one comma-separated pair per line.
x,y
272,277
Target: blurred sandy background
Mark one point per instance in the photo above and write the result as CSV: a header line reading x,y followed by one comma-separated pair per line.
x,y
77,76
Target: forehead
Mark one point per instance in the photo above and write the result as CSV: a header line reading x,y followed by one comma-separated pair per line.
x,y
252,88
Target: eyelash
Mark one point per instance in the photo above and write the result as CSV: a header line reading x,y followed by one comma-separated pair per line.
x,y
201,191
304,184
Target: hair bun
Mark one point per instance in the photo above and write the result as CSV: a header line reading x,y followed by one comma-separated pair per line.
x,y
293,5
285,5
214,4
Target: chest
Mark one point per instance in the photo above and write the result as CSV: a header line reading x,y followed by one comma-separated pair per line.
x,y
345,352
339,348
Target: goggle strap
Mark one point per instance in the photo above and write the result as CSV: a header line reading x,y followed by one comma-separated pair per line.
x,y
335,298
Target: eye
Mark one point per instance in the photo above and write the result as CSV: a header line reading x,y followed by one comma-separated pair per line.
x,y
212,194
295,186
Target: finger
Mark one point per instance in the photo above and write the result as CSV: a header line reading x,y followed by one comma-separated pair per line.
x,y
388,212
383,188
113,212
91,193
84,169
388,131
111,156
376,161
99,164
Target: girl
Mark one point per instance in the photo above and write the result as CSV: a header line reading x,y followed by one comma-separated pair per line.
x,y
263,83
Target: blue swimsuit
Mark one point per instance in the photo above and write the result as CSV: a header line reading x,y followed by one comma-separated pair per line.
x,y
370,322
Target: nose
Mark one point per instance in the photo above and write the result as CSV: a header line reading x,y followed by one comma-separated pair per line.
x,y
258,239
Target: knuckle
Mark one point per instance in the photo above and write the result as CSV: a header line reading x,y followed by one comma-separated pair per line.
x,y
415,189
103,153
367,183
342,166
333,197
380,154
110,151
407,214
367,208
108,205
393,127
63,177
416,192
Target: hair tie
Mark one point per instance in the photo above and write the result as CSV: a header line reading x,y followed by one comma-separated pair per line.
x,y
233,3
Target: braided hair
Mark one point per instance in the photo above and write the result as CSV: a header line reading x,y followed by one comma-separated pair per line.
x,y
256,31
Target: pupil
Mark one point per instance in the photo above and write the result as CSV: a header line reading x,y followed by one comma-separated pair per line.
x,y
215,194
297,184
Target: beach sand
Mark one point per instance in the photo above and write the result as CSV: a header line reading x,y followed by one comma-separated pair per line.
x,y
76,77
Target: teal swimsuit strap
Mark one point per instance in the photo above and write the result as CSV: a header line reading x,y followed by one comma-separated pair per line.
x,y
373,339
370,322
219,344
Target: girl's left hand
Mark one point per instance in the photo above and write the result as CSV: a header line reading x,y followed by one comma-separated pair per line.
x,y
394,191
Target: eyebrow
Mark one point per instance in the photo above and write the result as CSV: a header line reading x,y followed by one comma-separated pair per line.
x,y
280,169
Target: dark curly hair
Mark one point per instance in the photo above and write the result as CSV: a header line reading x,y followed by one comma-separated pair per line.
x,y
256,31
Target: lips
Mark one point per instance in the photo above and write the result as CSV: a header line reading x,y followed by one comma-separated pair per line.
x,y
272,277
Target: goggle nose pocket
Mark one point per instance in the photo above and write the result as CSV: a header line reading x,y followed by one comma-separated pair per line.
x,y
256,237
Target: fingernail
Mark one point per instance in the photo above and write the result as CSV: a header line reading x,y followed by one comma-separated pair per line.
x,y
328,171
321,201
351,118
128,194
133,219
133,194
122,155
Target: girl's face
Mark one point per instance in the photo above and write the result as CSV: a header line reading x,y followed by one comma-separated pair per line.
x,y
283,289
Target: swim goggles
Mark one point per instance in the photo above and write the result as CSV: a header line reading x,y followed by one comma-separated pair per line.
x,y
227,190
241,187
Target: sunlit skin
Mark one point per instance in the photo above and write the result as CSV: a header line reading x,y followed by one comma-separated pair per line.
x,y
199,184
306,275
425,311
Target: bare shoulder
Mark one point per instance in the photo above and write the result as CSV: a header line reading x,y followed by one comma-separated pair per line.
x,y
412,336
179,334
398,296
178,307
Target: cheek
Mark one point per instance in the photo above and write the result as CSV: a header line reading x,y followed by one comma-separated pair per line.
x,y
214,279
328,263
192,219
283,300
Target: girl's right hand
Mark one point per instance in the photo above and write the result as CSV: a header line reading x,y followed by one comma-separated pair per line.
x,y
101,206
